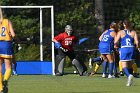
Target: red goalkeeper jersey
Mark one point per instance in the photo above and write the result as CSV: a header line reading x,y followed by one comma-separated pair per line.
x,y
66,41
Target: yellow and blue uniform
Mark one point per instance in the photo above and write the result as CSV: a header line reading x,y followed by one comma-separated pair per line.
x,y
6,49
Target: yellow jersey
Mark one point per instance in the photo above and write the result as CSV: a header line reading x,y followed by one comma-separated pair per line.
x,y
5,31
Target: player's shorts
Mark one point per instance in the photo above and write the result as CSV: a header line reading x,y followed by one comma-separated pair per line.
x,y
6,49
127,53
105,49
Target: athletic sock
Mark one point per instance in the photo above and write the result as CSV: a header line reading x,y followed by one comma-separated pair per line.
x,y
120,66
7,74
111,66
96,67
104,67
135,68
1,86
126,71
115,68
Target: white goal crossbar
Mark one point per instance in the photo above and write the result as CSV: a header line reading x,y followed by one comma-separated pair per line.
x,y
41,34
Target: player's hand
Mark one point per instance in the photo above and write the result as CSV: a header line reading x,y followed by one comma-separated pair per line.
x,y
63,49
57,45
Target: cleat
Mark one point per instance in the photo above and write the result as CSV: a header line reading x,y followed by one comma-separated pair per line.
x,y
58,74
104,75
136,75
116,75
90,63
111,76
5,86
121,73
15,73
130,80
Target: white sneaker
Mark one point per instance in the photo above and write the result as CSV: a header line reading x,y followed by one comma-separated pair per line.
x,y
90,63
130,80
104,75
15,73
111,76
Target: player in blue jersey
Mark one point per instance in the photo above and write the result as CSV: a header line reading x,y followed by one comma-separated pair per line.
x,y
106,47
128,41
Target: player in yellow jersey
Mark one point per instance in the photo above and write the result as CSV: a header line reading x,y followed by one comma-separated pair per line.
x,y
6,51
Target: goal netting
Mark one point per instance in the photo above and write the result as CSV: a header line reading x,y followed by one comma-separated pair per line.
x,y
34,27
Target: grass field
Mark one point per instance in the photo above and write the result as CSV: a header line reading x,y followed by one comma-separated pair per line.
x,y
70,83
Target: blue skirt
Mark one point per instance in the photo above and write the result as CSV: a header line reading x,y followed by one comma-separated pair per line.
x,y
6,49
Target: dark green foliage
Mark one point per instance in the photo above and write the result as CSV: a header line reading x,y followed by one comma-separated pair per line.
x,y
78,13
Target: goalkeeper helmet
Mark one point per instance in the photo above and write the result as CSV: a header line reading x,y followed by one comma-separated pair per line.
x,y
68,30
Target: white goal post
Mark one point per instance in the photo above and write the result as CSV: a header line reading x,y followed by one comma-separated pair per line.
x,y
41,33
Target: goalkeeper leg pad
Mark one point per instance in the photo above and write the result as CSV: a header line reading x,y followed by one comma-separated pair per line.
x,y
78,66
59,64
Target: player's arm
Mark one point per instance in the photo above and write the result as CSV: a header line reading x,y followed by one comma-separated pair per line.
x,y
11,29
57,43
117,38
100,38
136,40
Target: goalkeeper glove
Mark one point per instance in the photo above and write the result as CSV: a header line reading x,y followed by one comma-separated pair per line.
x,y
57,45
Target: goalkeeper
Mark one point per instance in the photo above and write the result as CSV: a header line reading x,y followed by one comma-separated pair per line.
x,y
64,43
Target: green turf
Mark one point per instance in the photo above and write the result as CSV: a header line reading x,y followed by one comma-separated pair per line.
x,y
70,83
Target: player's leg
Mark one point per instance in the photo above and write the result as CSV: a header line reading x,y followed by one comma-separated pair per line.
x,y
78,66
134,65
111,65
105,64
121,69
14,65
1,79
135,70
7,74
97,66
59,65
126,56
92,60
116,60
115,70
127,66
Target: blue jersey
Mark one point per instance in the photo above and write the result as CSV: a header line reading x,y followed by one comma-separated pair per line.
x,y
106,44
127,50
127,41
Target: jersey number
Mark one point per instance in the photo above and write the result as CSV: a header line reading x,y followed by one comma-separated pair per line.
x,y
3,31
128,43
68,42
105,37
